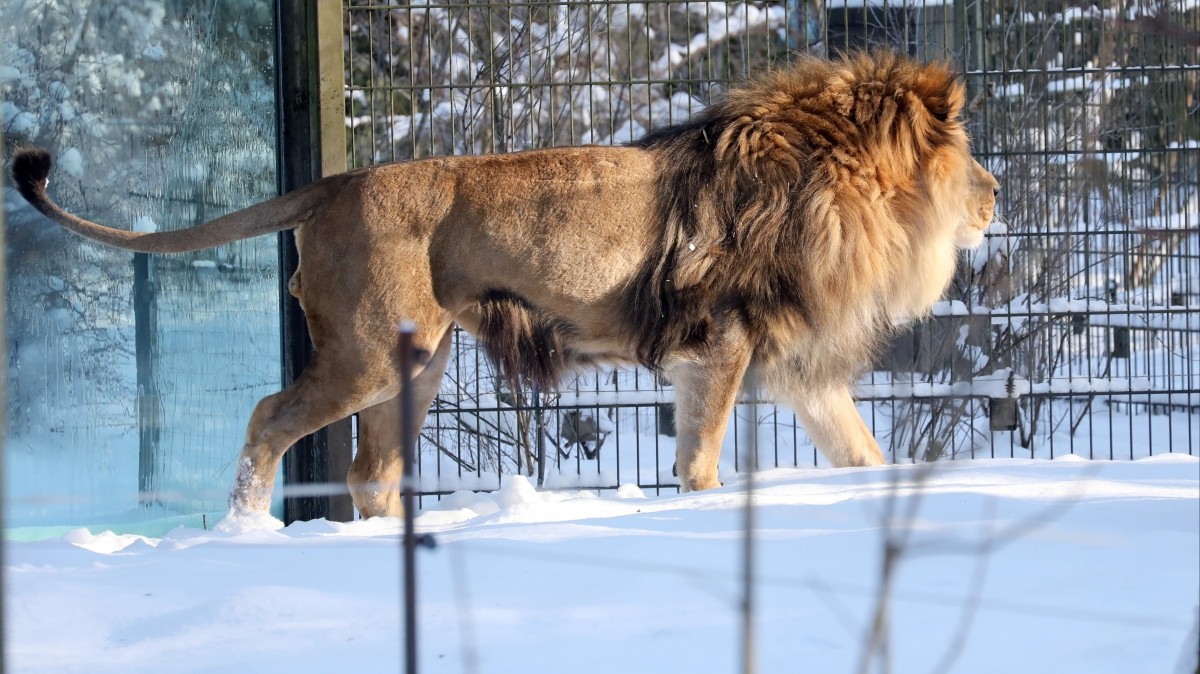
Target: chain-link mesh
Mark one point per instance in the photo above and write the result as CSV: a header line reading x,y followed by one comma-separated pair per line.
x,y
1075,329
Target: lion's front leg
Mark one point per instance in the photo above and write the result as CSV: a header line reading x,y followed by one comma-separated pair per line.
x,y
705,391
835,426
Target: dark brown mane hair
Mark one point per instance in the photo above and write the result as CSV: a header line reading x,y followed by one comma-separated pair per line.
x,y
756,224
527,345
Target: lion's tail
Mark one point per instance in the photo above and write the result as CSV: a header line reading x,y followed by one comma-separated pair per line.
x,y
31,171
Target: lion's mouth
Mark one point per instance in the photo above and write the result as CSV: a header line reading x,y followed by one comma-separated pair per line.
x,y
972,234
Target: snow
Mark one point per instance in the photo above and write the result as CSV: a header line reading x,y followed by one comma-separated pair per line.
x,y
1066,565
71,161
9,74
1098,312
144,223
16,120
59,90
239,522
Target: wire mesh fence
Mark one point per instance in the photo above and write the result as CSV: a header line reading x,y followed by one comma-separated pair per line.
x,y
1075,329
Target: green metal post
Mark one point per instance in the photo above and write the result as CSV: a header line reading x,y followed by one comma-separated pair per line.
x,y
312,144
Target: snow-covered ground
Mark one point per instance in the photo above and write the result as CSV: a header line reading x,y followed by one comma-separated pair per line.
x,y
1013,566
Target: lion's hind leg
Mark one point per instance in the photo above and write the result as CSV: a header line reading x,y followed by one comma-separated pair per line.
x,y
336,384
321,395
374,478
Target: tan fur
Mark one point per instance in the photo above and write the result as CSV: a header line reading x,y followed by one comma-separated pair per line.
x,y
787,227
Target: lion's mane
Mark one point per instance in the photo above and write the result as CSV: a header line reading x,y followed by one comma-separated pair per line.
x,y
794,205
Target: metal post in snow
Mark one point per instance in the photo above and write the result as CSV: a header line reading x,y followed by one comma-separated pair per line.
x,y
541,441
749,664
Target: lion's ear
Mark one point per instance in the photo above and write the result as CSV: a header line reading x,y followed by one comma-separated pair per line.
x,y
940,91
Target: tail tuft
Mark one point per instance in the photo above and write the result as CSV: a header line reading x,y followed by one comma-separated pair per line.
x,y
31,171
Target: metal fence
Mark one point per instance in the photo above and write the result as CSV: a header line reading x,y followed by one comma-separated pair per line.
x,y
1074,330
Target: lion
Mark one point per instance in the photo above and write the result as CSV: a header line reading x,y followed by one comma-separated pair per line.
x,y
787,229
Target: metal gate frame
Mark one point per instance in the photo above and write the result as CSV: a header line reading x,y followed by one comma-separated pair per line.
x,y
311,145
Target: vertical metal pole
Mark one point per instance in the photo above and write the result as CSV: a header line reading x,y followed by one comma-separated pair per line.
x,y
311,141
749,666
407,493
145,322
541,440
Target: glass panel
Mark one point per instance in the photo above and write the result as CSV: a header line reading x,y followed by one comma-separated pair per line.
x,y
160,115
